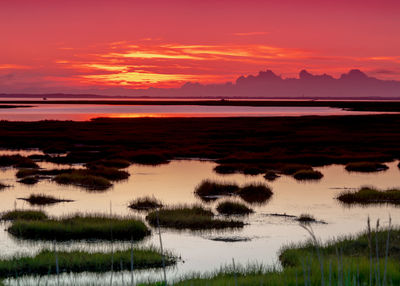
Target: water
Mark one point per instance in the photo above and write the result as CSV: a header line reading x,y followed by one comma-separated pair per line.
x,y
175,182
84,112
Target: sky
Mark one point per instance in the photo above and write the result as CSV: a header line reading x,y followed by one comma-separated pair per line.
x,y
76,46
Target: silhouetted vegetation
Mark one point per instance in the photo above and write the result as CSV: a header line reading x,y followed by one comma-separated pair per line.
x,y
240,143
291,169
307,175
365,167
271,175
145,203
189,217
111,163
77,261
17,161
306,218
2,186
233,208
369,195
80,226
29,180
24,215
209,189
42,199
255,193
89,182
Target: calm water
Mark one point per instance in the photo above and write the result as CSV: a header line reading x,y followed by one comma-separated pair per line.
x,y
175,182
85,112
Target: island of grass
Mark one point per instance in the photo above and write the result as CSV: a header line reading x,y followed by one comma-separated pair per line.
x,y
24,215
111,163
29,180
251,193
369,195
189,217
41,200
90,182
305,175
80,227
366,167
271,175
233,208
43,263
2,186
145,203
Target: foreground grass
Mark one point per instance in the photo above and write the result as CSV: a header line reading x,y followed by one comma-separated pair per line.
x,y
78,227
368,195
366,167
24,215
44,262
189,217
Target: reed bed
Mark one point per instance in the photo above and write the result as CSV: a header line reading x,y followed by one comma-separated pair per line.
x,y
145,203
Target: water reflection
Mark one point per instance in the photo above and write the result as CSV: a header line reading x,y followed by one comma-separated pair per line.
x,y
260,239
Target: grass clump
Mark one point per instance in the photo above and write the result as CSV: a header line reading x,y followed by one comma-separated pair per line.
x,y
233,208
306,218
29,180
43,263
290,169
112,174
271,175
255,193
26,215
366,167
79,227
189,217
42,199
111,163
303,175
2,186
145,203
145,158
369,195
90,182
210,189
225,169
17,161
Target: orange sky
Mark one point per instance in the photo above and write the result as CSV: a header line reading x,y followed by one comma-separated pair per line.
x,y
77,46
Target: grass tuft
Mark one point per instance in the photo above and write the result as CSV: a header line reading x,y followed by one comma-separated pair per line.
x,y
42,199
189,217
210,189
369,195
145,203
255,193
17,161
304,175
366,167
90,182
233,208
78,226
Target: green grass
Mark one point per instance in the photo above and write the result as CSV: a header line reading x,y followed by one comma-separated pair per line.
x,y
79,227
145,203
41,199
190,217
304,175
369,195
44,262
366,167
24,215
89,182
233,208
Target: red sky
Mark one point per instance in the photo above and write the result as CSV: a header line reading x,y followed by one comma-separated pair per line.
x,y
71,46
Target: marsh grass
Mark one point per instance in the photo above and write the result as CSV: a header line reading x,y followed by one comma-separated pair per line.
x,y
208,188
22,173
3,186
306,218
110,163
112,174
80,226
32,180
90,182
24,215
43,263
290,169
42,199
17,161
271,175
145,203
304,175
366,167
225,169
145,158
233,208
189,217
255,193
370,195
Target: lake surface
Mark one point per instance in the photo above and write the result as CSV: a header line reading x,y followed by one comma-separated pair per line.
x,y
84,112
174,183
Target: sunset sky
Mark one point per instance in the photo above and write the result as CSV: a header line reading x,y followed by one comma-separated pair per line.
x,y
85,45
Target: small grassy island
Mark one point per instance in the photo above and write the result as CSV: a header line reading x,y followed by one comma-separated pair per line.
x,y
369,195
233,208
366,167
145,203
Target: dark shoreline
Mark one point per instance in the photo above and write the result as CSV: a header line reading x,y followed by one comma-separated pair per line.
x,y
247,145
353,105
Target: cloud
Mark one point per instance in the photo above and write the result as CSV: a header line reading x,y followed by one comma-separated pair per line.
x,y
12,66
250,34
